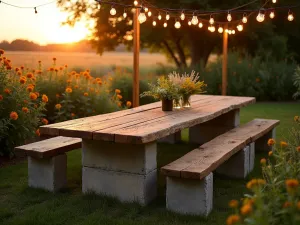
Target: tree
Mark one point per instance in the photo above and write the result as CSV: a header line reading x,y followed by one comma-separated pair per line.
x,y
188,44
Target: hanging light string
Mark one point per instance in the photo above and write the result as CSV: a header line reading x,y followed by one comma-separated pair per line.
x,y
27,7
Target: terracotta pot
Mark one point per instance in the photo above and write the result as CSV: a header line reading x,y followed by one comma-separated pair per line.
x,y
167,105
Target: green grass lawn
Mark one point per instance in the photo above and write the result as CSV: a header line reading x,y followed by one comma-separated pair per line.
x,y
22,205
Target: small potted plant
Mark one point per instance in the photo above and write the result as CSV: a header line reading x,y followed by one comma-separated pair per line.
x,y
187,85
163,90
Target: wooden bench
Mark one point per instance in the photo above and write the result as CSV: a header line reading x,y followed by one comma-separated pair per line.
x,y
47,161
190,178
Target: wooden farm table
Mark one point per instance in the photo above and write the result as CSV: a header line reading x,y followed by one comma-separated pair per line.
x,y
119,149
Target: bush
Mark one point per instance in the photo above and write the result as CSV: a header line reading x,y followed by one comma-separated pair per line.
x,y
275,199
297,82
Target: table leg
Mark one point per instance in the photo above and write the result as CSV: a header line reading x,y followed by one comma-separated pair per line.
x,y
207,131
127,172
171,139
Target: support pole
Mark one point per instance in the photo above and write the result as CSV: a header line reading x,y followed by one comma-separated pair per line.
x,y
136,59
225,61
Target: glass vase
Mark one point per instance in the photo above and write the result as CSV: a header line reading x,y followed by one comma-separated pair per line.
x,y
177,103
186,101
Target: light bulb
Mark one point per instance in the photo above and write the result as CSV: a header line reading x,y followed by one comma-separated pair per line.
x,y
154,23
240,27
159,17
200,25
260,17
229,17
272,15
182,16
177,25
233,31
142,17
274,1
220,30
189,23
291,17
167,16
211,21
113,11
195,20
226,30
212,29
244,20
149,13
135,3
99,6
146,9
125,14
229,32
165,24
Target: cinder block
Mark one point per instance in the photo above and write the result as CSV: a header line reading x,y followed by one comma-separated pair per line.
x,y
49,174
171,139
137,159
207,131
192,197
237,166
251,156
125,186
262,143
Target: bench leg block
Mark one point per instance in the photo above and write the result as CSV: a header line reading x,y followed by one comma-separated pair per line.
x,y
124,186
171,139
191,197
49,174
237,166
251,156
125,171
207,131
262,143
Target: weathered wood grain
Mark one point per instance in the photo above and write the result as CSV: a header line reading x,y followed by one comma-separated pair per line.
x,y
50,147
200,162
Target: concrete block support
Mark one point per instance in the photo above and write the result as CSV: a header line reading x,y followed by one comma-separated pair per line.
x,y
251,156
237,166
171,139
49,174
192,197
127,172
262,143
207,131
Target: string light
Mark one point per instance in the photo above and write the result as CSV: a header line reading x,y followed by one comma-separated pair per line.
x,y
189,23
35,10
154,23
195,20
146,9
272,15
260,17
233,31
274,1
135,3
229,32
113,11
240,27
125,14
177,25
229,17
149,13
290,16
165,24
167,16
142,17
244,20
211,20
211,28
182,16
159,16
99,6
200,25
220,30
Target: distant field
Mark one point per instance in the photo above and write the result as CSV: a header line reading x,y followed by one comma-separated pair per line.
x,y
85,60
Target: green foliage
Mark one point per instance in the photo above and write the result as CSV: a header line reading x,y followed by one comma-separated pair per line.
x,y
297,82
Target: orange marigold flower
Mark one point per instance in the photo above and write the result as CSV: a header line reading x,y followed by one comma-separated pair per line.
x,y
37,94
7,91
283,144
66,66
117,91
119,96
37,132
263,161
30,88
14,116
69,81
39,61
39,72
1,97
86,94
233,204
119,104
23,80
22,67
61,68
73,114
291,185
29,75
9,67
25,109
100,82
45,121
298,148
76,86
56,70
128,104
33,96
233,219
54,59
296,118
58,106
69,90
19,73
45,98
246,209
110,79
51,69
1,51
270,153
254,183
17,69
271,142
57,95
287,204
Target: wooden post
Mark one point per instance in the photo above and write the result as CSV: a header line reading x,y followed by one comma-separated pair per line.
x,y
225,61
136,59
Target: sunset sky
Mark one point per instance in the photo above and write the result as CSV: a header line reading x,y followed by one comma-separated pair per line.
x,y
43,27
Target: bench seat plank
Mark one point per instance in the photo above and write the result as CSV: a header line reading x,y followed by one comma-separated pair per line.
x,y
200,162
50,147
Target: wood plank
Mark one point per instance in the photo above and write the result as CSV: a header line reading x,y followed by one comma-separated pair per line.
x,y
200,162
50,147
162,127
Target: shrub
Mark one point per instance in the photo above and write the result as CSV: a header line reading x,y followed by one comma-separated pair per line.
x,y
275,199
21,106
297,82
